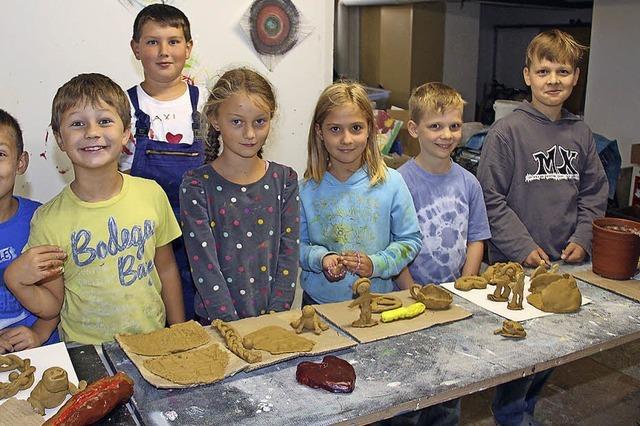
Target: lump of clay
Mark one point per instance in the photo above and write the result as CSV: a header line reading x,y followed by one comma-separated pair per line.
x,y
561,296
177,338
470,283
406,312
309,321
511,329
433,296
542,280
333,374
276,340
198,366
52,389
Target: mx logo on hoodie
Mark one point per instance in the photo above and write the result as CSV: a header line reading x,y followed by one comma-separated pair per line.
x,y
556,163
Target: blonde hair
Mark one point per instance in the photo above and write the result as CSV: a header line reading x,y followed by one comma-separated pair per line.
x,y
555,46
435,98
238,80
91,89
339,94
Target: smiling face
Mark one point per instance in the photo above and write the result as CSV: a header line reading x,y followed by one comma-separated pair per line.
x,y
163,51
244,122
344,133
438,134
551,84
92,136
11,164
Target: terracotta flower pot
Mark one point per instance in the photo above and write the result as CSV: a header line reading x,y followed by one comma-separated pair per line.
x,y
615,247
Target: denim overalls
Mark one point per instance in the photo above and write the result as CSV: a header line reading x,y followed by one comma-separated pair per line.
x,y
166,164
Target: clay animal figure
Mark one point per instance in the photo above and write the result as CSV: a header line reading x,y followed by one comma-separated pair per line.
x,y
491,271
432,296
502,276
361,288
511,329
517,290
309,321
52,389
542,280
406,312
470,282
561,296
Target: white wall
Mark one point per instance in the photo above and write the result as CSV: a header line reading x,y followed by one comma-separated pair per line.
x,y
45,43
613,87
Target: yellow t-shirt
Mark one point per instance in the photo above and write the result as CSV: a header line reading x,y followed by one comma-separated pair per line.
x,y
111,284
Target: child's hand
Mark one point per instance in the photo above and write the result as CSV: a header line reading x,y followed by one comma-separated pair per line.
x,y
573,253
20,338
333,268
358,263
5,346
38,263
534,258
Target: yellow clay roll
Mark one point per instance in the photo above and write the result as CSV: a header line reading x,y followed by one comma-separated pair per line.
x,y
407,312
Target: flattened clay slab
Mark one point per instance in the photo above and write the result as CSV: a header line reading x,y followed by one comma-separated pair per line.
x,y
19,412
198,366
277,340
177,338
333,374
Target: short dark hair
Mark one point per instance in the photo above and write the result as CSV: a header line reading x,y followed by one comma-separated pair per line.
x,y
7,120
163,14
91,89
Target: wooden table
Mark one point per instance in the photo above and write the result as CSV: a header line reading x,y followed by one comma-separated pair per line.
x,y
398,374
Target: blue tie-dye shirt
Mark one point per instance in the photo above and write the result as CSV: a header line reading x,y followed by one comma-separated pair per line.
x,y
451,213
339,216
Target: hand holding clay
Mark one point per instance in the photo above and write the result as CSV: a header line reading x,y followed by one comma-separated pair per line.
x,y
333,267
358,263
573,253
5,346
21,338
38,263
534,258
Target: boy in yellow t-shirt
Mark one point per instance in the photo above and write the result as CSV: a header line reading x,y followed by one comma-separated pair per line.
x,y
120,274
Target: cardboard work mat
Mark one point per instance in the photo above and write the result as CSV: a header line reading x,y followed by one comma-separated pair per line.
x,y
341,315
626,288
479,297
329,341
235,364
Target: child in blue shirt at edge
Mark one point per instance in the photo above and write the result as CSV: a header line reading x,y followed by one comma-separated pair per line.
x,y
19,328
165,118
357,218
450,208
448,198
543,184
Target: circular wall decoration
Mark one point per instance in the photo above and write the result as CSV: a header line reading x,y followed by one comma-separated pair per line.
x,y
274,26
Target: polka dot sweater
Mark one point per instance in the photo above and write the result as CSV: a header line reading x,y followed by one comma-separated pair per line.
x,y
242,241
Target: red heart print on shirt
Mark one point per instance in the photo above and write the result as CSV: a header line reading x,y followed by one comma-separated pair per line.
x,y
171,138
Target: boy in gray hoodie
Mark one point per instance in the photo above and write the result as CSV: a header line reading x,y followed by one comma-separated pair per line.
x,y
543,185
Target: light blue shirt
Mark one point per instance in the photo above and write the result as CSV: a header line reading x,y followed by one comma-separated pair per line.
x,y
379,221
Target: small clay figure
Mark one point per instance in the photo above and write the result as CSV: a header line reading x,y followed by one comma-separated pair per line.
x,y
52,389
381,303
517,290
502,276
361,288
491,270
470,282
309,321
541,269
511,329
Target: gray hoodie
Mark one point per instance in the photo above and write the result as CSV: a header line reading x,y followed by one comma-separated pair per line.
x,y
543,184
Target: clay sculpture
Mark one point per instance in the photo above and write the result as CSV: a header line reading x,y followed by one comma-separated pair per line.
x,y
309,321
197,366
276,340
542,280
234,342
470,282
52,389
433,296
541,269
511,329
94,402
560,297
17,380
491,271
517,290
177,338
381,303
502,276
333,374
406,312
361,288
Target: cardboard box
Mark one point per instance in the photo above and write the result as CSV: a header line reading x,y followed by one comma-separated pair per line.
x,y
635,153
410,145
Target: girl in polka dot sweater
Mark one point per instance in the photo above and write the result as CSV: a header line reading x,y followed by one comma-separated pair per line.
x,y
357,216
240,213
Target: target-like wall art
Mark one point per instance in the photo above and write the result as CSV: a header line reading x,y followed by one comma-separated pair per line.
x,y
274,27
